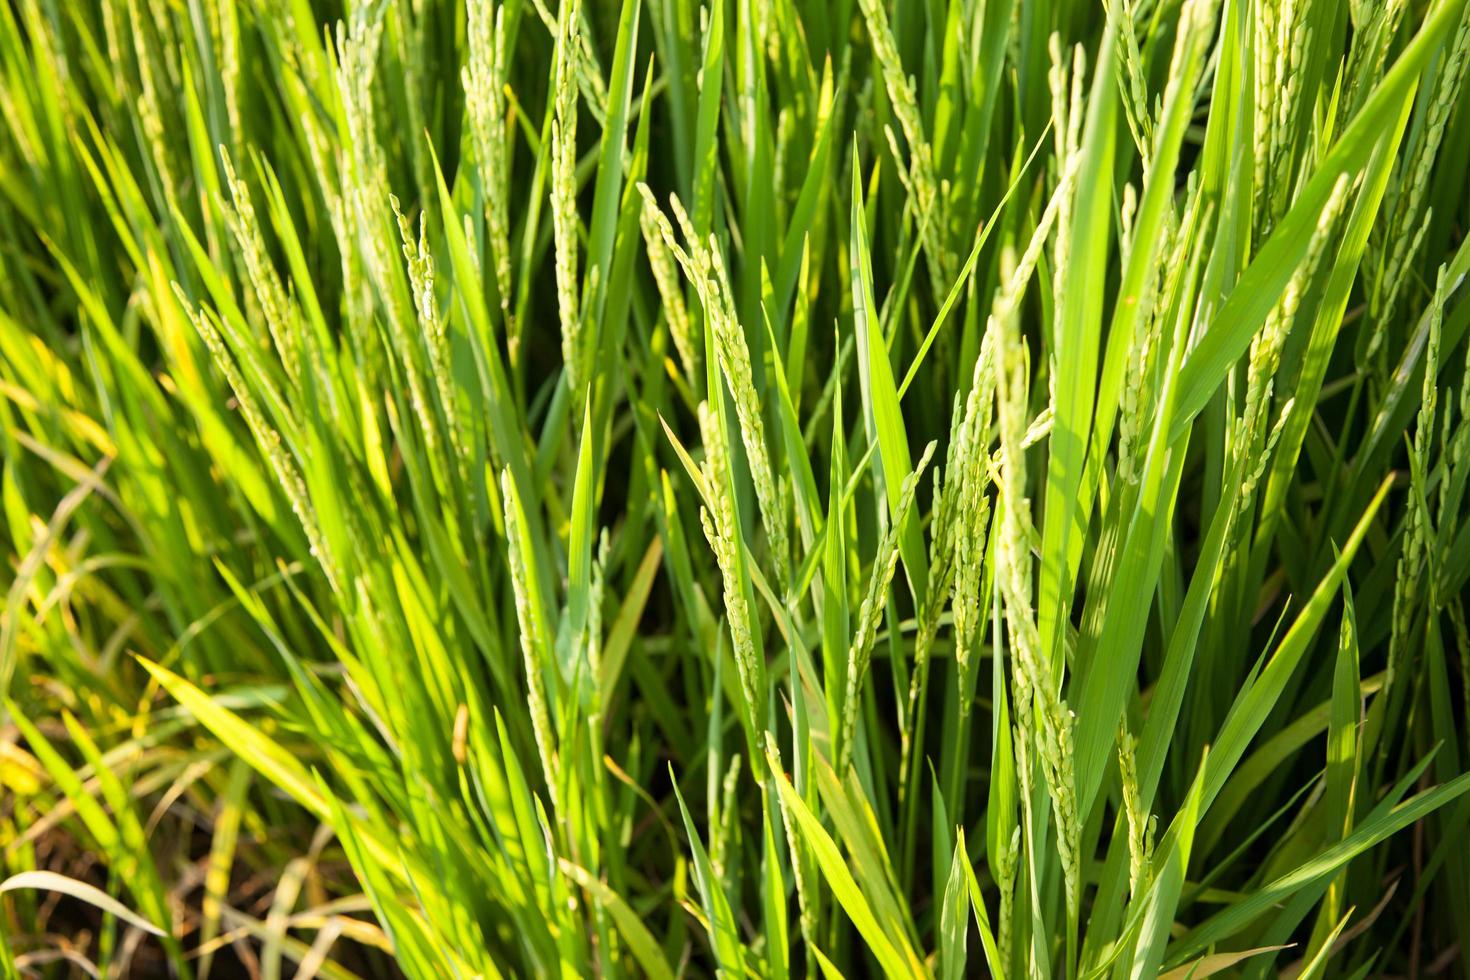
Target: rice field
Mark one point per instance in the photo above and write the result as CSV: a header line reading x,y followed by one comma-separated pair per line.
x,y
757,488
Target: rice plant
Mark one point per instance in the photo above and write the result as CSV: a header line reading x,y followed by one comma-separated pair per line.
x,y
756,488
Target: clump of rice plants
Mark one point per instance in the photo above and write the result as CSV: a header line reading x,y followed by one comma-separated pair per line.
x,y
745,488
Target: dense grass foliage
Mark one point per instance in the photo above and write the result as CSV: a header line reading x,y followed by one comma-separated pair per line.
x,y
769,488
